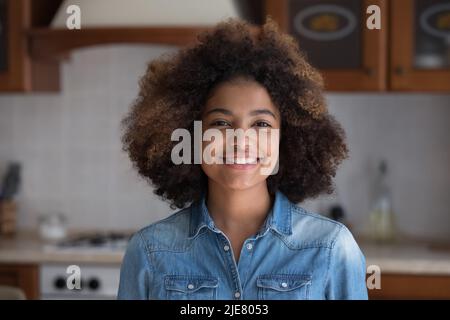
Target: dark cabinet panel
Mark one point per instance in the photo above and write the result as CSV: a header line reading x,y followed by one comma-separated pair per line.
x,y
334,36
18,72
431,34
3,36
329,31
420,45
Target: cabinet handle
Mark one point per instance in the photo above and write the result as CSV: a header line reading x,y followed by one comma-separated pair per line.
x,y
399,70
369,71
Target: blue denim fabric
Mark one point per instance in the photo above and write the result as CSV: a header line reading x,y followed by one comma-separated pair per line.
x,y
295,255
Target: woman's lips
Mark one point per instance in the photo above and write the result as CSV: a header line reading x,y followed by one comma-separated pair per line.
x,y
241,166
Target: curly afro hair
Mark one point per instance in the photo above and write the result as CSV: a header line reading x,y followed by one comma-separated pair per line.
x,y
176,86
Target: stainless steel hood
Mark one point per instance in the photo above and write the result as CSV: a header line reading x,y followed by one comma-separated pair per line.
x,y
114,13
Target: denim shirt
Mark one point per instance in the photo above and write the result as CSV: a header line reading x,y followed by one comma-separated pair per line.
x,y
295,255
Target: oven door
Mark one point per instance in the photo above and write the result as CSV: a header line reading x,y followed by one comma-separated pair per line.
x,y
71,282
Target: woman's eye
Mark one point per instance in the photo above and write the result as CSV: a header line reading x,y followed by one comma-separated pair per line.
x,y
263,124
220,123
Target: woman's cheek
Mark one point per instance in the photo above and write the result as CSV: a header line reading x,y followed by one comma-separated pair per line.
x,y
212,146
269,152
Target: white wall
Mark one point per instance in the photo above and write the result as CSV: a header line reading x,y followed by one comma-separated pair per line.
x,y
70,149
410,131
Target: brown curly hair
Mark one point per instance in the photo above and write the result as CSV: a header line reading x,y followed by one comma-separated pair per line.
x,y
176,86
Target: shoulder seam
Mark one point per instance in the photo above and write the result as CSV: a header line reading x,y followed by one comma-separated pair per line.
x,y
302,211
147,234
173,215
170,217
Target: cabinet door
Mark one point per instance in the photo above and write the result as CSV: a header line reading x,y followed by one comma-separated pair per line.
x,y
25,277
336,40
412,286
18,72
12,46
420,48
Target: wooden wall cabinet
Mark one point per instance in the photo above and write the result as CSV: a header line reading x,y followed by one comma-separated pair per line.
x,y
23,276
411,51
18,72
420,45
334,36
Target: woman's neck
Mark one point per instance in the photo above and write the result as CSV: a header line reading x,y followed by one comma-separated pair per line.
x,y
238,210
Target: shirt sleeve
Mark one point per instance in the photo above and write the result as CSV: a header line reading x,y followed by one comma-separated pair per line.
x,y
346,277
135,272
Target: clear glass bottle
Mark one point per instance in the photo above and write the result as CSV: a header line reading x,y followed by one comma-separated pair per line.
x,y
382,219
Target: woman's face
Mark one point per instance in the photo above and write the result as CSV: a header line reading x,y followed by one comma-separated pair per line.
x,y
240,160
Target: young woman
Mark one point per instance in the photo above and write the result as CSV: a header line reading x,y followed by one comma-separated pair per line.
x,y
239,233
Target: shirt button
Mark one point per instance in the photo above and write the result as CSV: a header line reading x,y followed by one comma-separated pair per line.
x,y
237,295
226,248
249,246
190,286
284,284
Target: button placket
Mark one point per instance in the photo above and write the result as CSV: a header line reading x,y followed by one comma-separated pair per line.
x,y
245,260
235,272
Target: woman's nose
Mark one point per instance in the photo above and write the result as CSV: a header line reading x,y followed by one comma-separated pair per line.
x,y
243,141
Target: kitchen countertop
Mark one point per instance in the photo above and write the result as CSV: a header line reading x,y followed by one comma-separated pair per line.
x,y
408,257
403,257
28,247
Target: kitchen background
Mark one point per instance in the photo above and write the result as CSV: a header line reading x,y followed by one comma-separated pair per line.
x,y
68,146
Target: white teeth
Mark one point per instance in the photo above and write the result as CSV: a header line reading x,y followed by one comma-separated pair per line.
x,y
240,161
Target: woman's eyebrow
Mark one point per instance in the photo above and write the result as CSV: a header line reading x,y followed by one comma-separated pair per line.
x,y
252,113
220,110
262,111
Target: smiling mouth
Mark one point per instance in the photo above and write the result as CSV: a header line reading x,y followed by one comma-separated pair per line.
x,y
249,161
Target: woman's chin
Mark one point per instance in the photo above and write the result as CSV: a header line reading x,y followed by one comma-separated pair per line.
x,y
240,184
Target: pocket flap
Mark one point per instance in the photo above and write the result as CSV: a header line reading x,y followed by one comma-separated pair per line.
x,y
190,284
283,282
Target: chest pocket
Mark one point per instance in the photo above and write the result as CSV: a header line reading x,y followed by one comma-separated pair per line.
x,y
190,287
283,287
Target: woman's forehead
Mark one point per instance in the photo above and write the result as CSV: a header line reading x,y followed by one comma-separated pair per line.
x,y
240,98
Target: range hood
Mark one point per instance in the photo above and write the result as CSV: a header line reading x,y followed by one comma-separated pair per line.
x,y
132,13
103,22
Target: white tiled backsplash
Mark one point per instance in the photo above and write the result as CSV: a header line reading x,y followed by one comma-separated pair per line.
x,y
69,145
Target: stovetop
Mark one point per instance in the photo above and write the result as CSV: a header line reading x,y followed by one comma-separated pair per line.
x,y
93,241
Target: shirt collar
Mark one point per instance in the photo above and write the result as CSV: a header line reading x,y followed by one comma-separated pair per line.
x,y
279,218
